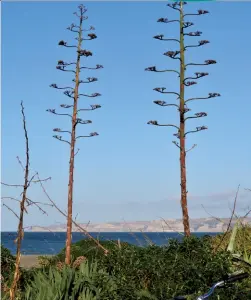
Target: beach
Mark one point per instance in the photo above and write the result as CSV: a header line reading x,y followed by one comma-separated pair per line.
x,y
29,261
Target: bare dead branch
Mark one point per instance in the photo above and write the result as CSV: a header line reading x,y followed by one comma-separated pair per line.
x,y
180,233
197,130
93,107
63,63
11,198
190,83
77,152
172,54
206,63
89,80
62,68
37,204
153,69
10,209
176,144
163,103
216,218
66,106
54,85
200,43
231,218
53,111
86,136
83,122
21,164
90,96
195,33
65,215
92,68
162,89
59,137
210,95
191,148
165,20
200,12
174,5
61,131
91,36
197,76
12,185
187,24
20,233
64,44
157,124
90,29
161,38
197,115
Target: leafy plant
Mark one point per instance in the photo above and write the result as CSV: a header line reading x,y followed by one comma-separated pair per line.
x,y
244,254
7,273
7,263
86,283
185,267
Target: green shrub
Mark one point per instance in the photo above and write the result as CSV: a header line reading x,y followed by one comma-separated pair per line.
x,y
7,272
7,263
89,249
86,283
242,240
185,267
180,268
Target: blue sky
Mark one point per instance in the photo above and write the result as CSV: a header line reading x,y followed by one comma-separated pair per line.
x,y
131,170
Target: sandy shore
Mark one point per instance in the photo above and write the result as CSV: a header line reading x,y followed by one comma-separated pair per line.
x,y
29,261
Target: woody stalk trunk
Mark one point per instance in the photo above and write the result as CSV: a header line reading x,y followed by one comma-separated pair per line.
x,y
183,181
72,150
72,92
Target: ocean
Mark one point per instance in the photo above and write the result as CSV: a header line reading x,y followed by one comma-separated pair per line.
x,y
43,243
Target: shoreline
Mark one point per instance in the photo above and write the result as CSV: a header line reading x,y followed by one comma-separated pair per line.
x,y
30,260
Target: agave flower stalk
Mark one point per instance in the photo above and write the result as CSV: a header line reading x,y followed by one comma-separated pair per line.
x,y
181,104
73,94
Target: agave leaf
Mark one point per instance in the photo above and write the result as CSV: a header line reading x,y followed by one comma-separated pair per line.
x,y
231,244
246,257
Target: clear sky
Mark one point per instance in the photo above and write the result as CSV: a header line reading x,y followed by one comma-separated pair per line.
x,y
130,171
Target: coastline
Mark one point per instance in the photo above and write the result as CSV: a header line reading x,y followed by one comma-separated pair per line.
x,y
30,260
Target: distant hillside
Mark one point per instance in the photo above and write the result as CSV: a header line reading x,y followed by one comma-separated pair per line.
x,y
197,225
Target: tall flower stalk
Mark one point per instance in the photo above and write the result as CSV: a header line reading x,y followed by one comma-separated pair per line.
x,y
182,104
74,94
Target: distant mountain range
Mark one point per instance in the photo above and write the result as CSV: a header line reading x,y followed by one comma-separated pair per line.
x,y
170,225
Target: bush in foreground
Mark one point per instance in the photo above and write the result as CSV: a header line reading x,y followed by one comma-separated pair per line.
x,y
180,268
86,283
187,267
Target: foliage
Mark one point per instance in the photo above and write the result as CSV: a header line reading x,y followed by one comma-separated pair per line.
x,y
89,249
185,267
7,272
242,256
7,263
242,239
86,283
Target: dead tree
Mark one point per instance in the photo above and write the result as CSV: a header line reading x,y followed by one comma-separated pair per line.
x,y
24,203
73,94
182,104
